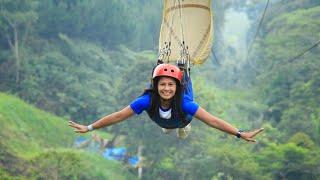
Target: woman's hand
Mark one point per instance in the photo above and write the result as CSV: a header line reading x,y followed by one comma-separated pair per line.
x,y
78,128
248,136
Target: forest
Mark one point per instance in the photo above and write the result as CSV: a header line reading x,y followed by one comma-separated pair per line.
x,y
80,60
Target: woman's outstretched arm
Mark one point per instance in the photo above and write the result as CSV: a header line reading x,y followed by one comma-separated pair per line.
x,y
108,120
222,125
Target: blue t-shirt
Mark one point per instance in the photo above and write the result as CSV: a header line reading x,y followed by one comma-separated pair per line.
x,y
189,108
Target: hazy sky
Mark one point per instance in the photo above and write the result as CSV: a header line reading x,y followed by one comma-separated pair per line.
x,y
235,31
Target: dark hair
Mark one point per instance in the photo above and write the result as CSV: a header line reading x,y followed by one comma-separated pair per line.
x,y
176,103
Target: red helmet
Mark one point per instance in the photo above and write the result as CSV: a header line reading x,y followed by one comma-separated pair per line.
x,y
168,70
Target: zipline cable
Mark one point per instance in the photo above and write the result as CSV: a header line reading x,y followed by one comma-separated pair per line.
x,y
304,52
257,31
295,57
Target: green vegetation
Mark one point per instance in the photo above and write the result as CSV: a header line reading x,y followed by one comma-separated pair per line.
x,y
81,60
290,88
38,145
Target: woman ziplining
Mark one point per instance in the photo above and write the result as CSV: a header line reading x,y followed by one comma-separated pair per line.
x,y
170,105
169,99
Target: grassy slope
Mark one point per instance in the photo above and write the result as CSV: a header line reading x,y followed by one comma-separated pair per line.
x,y
36,144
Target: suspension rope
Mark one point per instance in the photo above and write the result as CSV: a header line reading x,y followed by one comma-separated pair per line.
x,y
165,52
184,61
171,24
168,45
180,61
215,56
181,20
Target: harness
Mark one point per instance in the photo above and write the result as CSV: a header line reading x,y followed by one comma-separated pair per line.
x,y
171,123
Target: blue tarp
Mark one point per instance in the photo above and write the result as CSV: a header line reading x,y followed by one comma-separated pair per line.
x,y
133,160
115,153
118,154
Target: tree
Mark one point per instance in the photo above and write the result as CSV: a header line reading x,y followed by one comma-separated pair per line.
x,y
107,22
290,160
16,19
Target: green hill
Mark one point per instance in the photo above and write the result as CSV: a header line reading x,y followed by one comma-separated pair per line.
x,y
38,145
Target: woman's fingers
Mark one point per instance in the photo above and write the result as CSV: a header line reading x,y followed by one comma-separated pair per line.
x,y
248,136
78,127
257,131
79,131
73,124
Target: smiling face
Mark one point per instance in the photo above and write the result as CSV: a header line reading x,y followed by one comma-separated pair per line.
x,y
167,87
